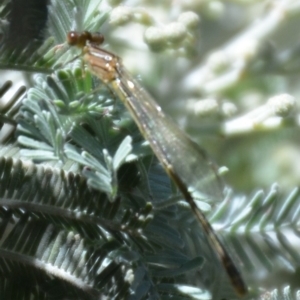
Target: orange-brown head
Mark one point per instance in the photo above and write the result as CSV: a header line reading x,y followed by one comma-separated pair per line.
x,y
80,39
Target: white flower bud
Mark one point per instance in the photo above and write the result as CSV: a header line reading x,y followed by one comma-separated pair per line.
x,y
155,38
282,104
215,9
228,109
189,19
120,15
175,32
203,107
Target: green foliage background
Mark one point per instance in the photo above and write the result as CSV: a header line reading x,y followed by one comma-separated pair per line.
x,y
86,211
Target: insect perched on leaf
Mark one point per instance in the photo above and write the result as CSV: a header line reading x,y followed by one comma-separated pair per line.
x,y
183,160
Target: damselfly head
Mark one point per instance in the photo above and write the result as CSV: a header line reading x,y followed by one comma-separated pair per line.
x,y
80,39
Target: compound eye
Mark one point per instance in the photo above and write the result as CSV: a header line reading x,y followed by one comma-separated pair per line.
x,y
97,38
72,38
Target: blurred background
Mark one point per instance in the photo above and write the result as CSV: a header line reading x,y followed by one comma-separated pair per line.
x,y
213,67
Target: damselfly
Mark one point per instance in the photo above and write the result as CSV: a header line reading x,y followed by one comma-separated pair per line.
x,y
184,161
